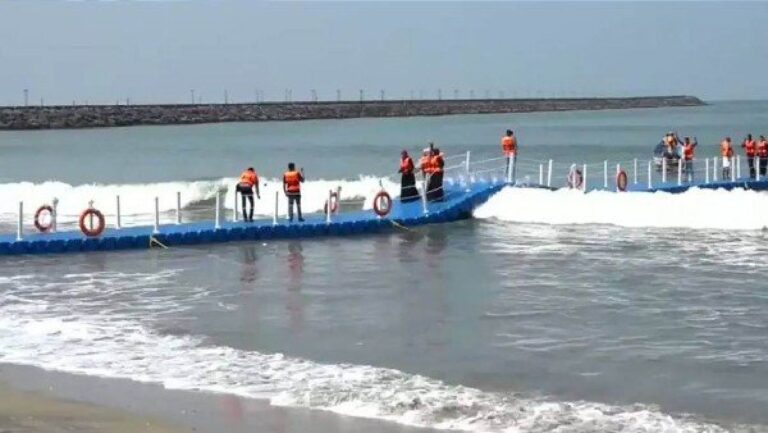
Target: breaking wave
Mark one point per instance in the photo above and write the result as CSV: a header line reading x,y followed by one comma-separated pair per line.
x,y
696,208
41,326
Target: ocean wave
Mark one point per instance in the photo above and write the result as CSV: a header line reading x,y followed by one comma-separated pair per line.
x,y
694,209
138,199
101,339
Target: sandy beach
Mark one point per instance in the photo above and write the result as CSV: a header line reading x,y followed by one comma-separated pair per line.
x,y
39,401
35,412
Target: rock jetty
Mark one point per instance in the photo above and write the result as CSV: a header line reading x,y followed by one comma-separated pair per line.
x,y
97,116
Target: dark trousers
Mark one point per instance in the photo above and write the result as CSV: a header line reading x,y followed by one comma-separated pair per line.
x,y
246,194
408,191
294,198
249,199
763,164
688,170
751,162
435,187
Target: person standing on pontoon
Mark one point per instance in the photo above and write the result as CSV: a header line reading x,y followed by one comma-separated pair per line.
x,y
688,151
292,181
762,153
248,181
408,191
435,180
726,152
424,163
509,149
750,150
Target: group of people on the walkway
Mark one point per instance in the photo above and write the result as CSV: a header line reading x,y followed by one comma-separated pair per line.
x,y
756,152
292,180
431,165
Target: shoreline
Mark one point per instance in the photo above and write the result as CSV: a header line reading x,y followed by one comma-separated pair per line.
x,y
104,116
34,400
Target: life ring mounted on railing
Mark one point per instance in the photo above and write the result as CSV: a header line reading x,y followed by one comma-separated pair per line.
x,y
334,200
382,204
39,214
621,181
575,178
89,214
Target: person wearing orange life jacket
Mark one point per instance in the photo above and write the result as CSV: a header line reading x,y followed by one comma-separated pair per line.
x,y
435,183
509,149
408,191
688,152
750,149
292,181
726,152
424,163
248,180
762,154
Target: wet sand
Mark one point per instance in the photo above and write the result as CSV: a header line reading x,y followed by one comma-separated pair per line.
x,y
39,401
34,412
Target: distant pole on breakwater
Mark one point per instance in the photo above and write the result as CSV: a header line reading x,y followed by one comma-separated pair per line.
x,y
95,116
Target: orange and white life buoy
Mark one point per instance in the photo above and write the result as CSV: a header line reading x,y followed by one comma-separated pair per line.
x,y
41,211
621,180
334,199
575,178
90,230
382,204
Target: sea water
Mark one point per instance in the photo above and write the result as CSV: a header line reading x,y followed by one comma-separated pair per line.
x,y
547,312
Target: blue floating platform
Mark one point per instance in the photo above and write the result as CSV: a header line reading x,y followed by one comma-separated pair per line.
x,y
459,203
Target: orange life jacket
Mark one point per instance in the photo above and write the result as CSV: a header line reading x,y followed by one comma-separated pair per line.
x,y
762,149
688,150
406,165
726,151
508,145
437,163
292,181
749,147
248,178
425,163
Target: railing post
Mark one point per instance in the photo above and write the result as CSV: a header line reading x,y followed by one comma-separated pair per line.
x,y
424,195
510,169
338,198
618,170
706,170
217,221
757,168
733,172
328,208
118,219
634,178
541,174
650,174
234,212
178,207
738,166
467,164
54,215
663,170
549,174
714,169
20,226
274,215
605,174
584,180
680,163
156,228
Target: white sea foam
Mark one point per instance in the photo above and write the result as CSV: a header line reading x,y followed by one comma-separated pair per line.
x,y
94,335
696,208
138,199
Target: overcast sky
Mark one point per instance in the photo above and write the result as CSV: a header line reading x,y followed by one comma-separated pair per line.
x,y
157,52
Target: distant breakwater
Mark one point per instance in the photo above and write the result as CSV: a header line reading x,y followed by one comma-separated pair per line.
x,y
98,116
